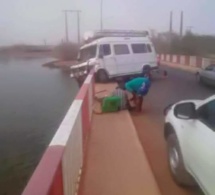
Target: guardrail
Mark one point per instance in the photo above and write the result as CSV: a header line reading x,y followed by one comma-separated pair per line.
x,y
58,172
194,61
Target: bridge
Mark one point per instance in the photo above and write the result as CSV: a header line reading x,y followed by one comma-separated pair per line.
x,y
117,153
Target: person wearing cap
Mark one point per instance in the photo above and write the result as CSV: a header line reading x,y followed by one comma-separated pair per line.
x,y
139,87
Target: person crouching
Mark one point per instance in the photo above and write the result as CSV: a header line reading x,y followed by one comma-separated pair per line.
x,y
138,87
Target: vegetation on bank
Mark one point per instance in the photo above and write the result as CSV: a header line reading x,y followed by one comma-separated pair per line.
x,y
189,44
66,51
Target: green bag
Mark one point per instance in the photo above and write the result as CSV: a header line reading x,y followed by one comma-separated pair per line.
x,y
111,104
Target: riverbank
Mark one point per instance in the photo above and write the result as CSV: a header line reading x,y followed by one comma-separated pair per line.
x,y
64,65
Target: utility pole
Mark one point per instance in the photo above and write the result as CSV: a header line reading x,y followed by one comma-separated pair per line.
x,y
66,26
101,15
182,24
170,23
78,23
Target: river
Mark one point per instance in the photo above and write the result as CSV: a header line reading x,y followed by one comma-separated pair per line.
x,y
33,102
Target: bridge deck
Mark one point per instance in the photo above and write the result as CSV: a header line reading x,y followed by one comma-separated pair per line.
x,y
116,163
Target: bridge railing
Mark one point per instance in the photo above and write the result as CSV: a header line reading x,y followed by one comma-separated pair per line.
x,y
59,170
194,61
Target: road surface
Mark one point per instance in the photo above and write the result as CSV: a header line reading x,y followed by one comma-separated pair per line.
x,y
179,85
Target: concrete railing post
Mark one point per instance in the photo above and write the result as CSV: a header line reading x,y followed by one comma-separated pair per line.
x,y
205,62
192,61
199,62
182,60
174,58
168,58
162,56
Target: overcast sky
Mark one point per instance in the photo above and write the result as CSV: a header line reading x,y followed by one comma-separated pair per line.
x,y
32,21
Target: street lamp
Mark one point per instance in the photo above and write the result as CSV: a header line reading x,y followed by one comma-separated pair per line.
x,y
101,15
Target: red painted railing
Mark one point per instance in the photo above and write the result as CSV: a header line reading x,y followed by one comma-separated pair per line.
x,y
194,61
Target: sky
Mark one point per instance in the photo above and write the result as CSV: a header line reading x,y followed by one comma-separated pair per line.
x,y
33,21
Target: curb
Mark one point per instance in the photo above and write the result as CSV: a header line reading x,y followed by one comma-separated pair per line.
x,y
182,67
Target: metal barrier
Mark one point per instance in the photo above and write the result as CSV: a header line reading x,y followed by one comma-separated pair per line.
x,y
58,172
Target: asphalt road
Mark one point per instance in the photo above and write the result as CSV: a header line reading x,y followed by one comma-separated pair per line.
x,y
179,85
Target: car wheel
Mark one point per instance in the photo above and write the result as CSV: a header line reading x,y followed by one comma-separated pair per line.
x,y
176,164
102,76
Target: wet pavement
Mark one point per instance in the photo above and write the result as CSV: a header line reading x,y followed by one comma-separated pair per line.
x,y
149,124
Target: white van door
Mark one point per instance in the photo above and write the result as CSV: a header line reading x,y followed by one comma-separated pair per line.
x,y
123,58
108,61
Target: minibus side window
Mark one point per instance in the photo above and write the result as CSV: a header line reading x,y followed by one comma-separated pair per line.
x,y
121,49
139,48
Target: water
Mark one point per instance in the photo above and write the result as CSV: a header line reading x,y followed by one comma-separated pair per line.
x,y
33,102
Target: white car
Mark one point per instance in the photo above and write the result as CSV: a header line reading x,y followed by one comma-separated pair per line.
x,y
190,135
207,75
